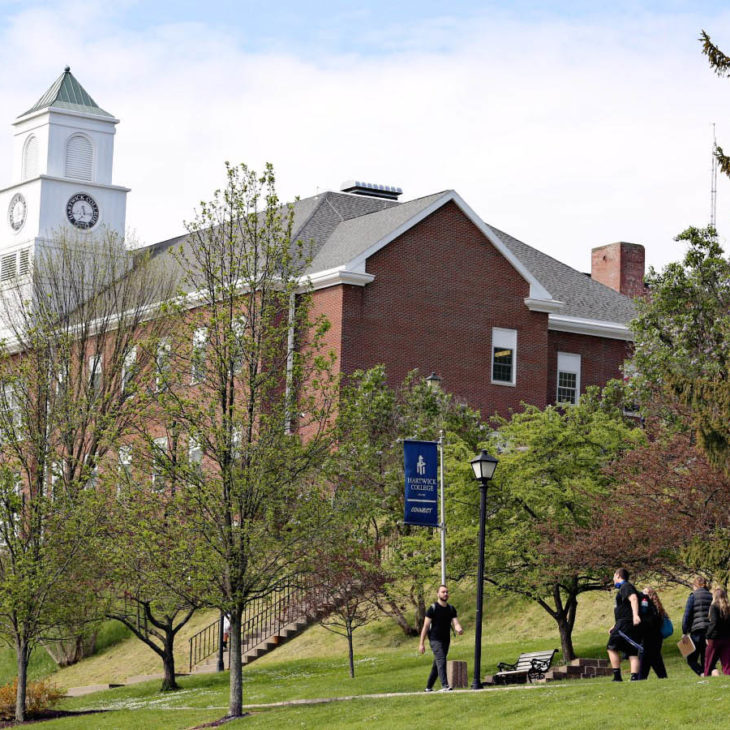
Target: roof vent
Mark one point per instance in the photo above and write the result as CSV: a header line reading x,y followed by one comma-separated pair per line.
x,y
371,190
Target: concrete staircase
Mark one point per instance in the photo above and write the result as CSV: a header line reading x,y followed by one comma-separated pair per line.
x,y
273,625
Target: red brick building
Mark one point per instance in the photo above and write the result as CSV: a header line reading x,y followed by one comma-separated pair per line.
x,y
427,284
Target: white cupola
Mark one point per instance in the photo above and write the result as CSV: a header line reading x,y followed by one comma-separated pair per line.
x,y
62,174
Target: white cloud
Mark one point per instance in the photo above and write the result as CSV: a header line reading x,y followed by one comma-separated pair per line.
x,y
565,134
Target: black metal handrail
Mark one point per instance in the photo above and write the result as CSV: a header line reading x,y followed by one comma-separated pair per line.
x,y
294,599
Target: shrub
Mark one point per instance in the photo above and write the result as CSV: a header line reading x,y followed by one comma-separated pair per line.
x,y
39,696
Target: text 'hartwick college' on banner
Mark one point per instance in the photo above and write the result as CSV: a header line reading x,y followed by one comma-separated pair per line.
x,y
420,459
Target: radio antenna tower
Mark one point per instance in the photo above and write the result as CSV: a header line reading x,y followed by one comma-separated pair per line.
x,y
713,181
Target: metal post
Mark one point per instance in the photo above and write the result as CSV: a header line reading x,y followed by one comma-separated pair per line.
x,y
443,512
477,682
221,665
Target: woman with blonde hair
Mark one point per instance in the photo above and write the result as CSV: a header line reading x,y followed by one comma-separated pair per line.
x,y
718,634
652,615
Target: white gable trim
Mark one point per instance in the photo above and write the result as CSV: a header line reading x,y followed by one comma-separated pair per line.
x,y
339,275
592,327
537,290
544,305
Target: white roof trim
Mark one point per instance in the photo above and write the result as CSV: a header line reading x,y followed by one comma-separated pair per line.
x,y
544,305
67,112
537,290
593,327
339,275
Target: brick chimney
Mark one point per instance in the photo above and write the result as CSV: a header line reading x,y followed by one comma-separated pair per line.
x,y
619,266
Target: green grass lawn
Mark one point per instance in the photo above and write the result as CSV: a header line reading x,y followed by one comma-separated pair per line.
x,y
315,666
578,704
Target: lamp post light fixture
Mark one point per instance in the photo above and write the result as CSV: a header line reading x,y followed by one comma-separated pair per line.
x,y
433,380
484,466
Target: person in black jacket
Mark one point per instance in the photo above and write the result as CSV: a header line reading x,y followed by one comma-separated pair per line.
x,y
694,622
718,634
652,615
625,634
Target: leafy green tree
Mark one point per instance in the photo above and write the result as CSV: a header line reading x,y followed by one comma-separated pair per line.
x,y
367,471
682,344
551,466
349,577
148,582
250,389
70,324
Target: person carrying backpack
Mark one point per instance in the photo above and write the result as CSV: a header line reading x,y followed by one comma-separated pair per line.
x,y
440,617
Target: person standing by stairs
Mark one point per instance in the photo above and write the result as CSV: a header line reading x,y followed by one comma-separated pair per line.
x,y
440,617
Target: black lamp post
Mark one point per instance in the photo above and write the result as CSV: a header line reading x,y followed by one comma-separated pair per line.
x,y
433,380
484,466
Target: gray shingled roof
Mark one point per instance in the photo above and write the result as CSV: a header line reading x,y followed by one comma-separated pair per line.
x,y
352,237
67,93
341,227
583,297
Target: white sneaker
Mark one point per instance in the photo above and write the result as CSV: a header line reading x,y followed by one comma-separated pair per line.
x,y
445,689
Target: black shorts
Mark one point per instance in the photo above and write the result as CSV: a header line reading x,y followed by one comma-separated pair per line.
x,y
616,642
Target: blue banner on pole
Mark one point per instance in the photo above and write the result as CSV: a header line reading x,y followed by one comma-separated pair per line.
x,y
421,468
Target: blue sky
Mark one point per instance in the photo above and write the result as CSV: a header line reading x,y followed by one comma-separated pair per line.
x,y
568,125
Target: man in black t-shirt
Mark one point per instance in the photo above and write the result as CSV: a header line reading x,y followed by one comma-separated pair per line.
x,y
625,635
440,617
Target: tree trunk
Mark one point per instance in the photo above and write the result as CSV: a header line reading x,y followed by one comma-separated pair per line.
x,y
168,662
394,612
350,652
566,637
235,699
21,655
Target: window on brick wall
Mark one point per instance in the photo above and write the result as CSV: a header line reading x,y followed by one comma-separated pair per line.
x,y
95,374
125,466
504,356
200,344
568,385
195,451
162,364
159,463
129,370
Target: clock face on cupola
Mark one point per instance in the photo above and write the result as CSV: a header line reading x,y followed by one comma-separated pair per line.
x,y
62,171
82,211
17,210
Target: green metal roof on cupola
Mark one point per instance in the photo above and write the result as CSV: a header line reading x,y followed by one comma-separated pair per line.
x,y
67,93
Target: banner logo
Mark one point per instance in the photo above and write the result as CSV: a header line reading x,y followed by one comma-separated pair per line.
x,y
420,459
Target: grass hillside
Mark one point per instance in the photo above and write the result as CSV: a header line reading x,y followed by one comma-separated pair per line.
x,y
510,623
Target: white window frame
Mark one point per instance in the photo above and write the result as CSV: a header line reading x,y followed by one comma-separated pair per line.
x,y
504,339
199,355
96,367
195,451
162,362
124,457
129,368
570,364
160,446
238,327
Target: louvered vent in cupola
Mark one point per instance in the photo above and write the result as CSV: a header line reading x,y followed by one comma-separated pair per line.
x,y
24,261
79,158
8,267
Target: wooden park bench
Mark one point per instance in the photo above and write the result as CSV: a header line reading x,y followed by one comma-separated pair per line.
x,y
528,667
